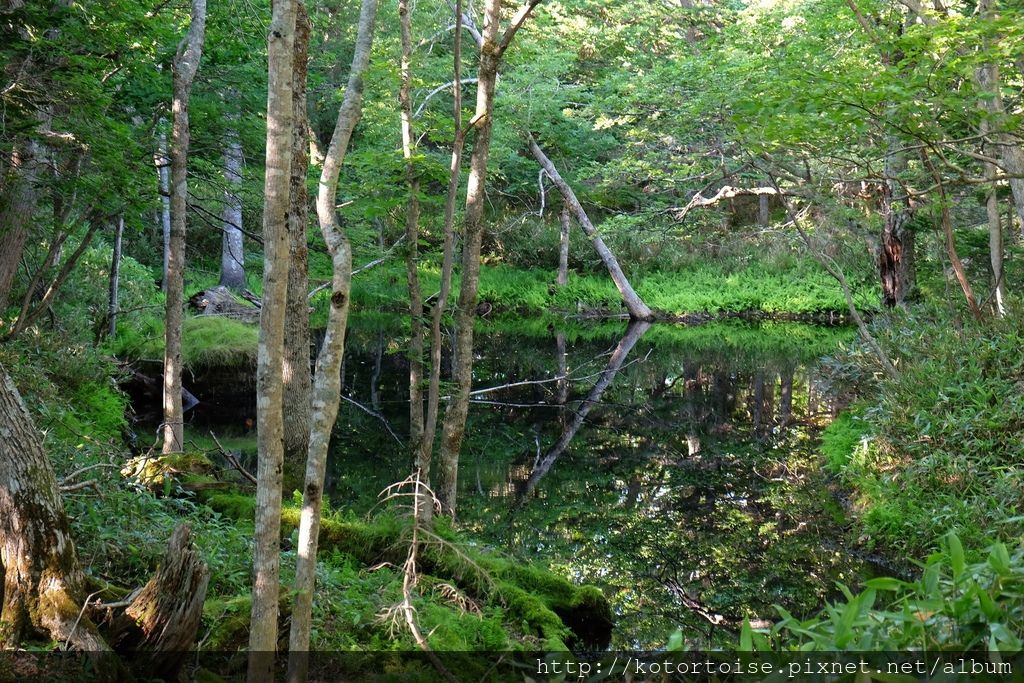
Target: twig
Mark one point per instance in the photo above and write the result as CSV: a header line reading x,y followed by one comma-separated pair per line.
x,y
375,414
232,459
88,483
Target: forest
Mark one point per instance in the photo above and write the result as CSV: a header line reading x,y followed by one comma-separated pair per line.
x,y
479,340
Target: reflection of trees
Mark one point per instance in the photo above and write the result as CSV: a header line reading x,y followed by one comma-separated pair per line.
x,y
635,330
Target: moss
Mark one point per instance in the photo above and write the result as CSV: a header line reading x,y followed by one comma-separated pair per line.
x,y
229,619
206,341
163,470
232,504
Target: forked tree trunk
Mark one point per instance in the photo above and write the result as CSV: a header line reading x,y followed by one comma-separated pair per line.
x,y
454,426
638,310
270,356
42,581
327,382
412,218
186,64
298,379
232,252
426,451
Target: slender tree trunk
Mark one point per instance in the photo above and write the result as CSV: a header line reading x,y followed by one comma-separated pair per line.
x,y
762,210
638,310
785,397
412,217
162,160
42,582
186,64
115,276
634,331
328,379
988,80
563,247
298,380
232,254
270,358
426,451
454,425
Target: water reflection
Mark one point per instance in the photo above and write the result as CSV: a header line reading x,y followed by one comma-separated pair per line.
x,y
681,479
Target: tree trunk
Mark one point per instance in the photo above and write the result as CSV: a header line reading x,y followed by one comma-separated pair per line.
x,y
186,64
638,310
896,256
298,378
17,212
762,210
634,331
115,277
412,217
42,581
232,254
328,380
270,356
992,104
162,160
454,425
426,451
161,623
563,247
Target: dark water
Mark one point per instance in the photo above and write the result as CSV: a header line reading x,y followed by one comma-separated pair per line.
x,y
674,467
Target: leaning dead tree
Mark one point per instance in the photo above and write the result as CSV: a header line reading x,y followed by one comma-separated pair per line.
x,y
638,310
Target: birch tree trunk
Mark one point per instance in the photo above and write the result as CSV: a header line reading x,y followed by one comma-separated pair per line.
x,y
115,277
162,161
297,375
426,450
327,381
42,582
563,246
454,427
638,310
232,254
412,218
186,64
270,357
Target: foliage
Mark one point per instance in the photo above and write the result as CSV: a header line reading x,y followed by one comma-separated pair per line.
x,y
207,341
946,435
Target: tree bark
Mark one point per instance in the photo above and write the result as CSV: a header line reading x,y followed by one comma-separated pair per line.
x,y
298,380
232,254
42,581
270,356
115,277
426,451
162,160
17,211
328,380
161,623
186,64
454,425
896,255
412,217
563,246
638,310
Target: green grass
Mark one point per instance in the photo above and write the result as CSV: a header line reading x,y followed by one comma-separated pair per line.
x,y
206,341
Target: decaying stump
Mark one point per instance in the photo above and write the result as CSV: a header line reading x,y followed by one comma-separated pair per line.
x,y
159,627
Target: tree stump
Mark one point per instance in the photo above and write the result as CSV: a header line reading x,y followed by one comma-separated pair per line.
x,y
159,627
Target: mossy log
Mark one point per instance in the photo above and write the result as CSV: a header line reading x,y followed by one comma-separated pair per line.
x,y
159,626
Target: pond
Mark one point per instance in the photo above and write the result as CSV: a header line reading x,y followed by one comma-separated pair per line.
x,y
673,466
